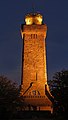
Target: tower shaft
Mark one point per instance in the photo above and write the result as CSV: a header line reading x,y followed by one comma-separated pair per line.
x,y
34,60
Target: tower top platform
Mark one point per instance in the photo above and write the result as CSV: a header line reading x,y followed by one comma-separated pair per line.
x,y
33,18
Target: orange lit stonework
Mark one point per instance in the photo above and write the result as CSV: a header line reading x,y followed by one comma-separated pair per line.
x,y
34,73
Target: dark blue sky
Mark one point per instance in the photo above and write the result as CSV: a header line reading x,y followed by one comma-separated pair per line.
x,y
12,12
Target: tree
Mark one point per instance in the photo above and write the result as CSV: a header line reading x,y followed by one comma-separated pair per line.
x,y
59,88
9,92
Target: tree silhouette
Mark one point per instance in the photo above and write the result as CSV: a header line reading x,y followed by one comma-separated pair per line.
x,y
8,94
59,89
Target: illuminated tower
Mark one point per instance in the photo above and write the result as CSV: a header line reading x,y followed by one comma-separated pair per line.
x,y
34,87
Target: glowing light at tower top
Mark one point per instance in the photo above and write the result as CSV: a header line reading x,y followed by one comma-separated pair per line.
x,y
34,18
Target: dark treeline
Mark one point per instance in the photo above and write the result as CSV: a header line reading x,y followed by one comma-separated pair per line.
x,y
9,93
10,103
59,89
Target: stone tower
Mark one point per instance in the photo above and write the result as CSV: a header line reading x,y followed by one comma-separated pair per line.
x,y
34,88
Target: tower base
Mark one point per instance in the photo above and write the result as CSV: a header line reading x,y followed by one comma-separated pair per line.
x,y
38,108
37,103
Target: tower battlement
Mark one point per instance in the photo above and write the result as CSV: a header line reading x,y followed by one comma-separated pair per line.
x,y
34,29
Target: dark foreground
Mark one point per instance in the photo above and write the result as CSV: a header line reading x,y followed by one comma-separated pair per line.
x,y
33,115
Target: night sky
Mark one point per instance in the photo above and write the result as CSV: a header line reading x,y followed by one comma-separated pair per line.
x,y
12,13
